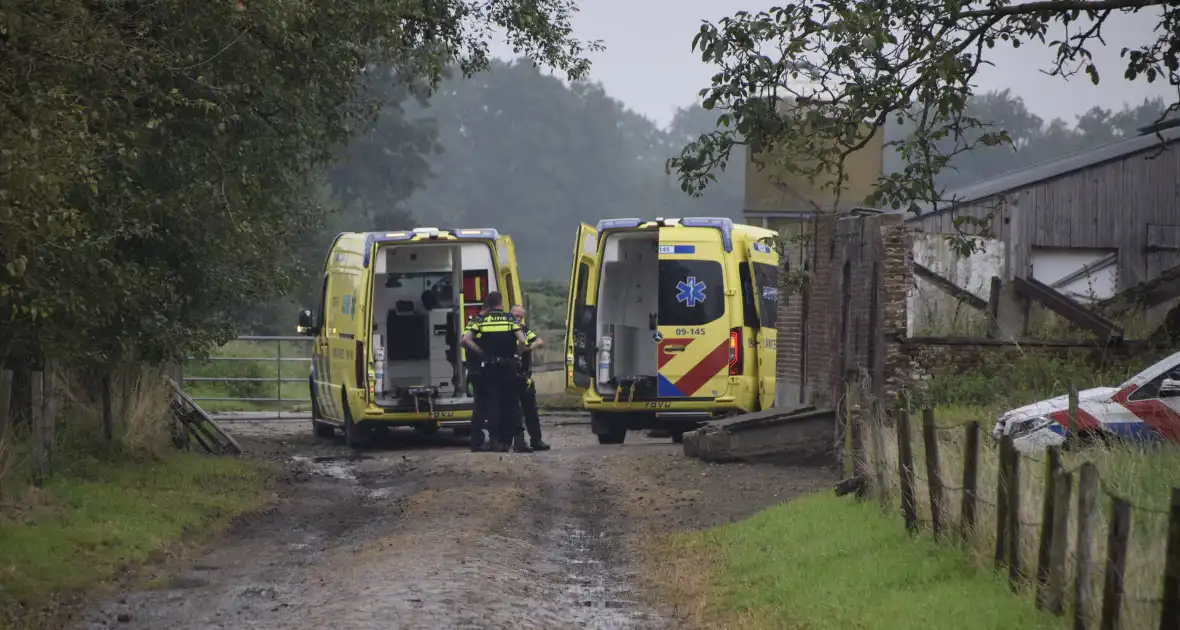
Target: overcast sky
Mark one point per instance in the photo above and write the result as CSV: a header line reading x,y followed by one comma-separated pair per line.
x,y
649,65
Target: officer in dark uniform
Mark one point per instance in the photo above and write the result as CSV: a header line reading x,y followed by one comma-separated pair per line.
x,y
528,389
497,339
478,413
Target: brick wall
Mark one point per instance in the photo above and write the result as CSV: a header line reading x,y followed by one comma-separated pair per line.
x,y
858,271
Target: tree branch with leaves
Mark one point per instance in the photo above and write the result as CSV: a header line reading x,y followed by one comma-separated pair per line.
x,y
810,84
161,160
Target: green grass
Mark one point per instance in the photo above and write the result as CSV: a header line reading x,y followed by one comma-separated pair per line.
x,y
94,520
267,366
1142,473
827,562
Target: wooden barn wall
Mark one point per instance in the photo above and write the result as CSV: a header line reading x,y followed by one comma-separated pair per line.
x,y
1108,205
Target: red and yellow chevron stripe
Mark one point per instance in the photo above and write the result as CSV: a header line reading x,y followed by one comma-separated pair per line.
x,y
691,371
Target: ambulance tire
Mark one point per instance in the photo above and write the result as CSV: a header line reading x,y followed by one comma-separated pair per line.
x,y
322,429
318,426
611,428
426,428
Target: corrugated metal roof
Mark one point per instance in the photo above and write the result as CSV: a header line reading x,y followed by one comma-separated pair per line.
x,y
1055,168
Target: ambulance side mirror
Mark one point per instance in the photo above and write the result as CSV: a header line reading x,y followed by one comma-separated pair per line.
x,y
306,322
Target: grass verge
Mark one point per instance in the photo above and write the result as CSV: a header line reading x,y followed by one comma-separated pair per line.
x,y
826,562
99,519
1143,474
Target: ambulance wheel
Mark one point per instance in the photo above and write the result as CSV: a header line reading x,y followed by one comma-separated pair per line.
x,y
610,428
322,429
426,428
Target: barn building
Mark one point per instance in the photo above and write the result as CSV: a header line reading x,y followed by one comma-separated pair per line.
x,y
1090,225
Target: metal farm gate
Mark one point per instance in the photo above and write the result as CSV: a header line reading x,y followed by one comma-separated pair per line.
x,y
253,377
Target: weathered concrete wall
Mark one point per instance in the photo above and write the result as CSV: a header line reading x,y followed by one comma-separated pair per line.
x,y
769,188
549,382
932,310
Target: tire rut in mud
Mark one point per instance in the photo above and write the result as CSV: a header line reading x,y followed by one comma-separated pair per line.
x,y
584,549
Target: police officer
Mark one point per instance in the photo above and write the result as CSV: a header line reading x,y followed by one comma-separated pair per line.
x,y
478,413
497,339
528,389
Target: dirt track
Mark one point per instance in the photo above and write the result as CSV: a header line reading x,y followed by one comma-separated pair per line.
x,y
420,533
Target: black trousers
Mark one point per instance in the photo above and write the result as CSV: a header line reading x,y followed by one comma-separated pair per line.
x,y
528,405
500,389
478,413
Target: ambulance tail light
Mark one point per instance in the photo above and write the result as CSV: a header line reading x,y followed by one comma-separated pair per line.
x,y
362,372
735,352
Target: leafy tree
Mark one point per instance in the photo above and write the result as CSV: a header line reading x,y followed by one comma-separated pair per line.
x,y
847,68
546,303
161,160
1033,140
532,157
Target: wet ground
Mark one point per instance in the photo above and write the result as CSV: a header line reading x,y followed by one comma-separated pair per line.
x,y
418,532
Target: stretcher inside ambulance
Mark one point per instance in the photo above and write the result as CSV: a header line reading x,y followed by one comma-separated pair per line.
x,y
1145,408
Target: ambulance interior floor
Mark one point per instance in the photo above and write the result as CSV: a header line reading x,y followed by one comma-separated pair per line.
x,y
418,532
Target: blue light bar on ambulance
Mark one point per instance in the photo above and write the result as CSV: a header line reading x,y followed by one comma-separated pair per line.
x,y
481,233
618,224
723,225
404,235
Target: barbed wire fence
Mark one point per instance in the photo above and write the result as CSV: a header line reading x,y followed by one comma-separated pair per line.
x,y
1062,525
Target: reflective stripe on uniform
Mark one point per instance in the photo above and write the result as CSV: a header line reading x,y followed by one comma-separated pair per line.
x,y
496,327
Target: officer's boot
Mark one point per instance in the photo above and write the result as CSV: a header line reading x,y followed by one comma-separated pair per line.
x,y
519,445
539,445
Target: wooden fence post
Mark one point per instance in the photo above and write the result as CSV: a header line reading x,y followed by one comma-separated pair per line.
x,y
1084,550
877,434
1015,574
1071,430
43,426
860,458
933,470
5,400
993,308
1113,587
1052,467
108,414
1063,489
905,451
970,481
1002,501
1170,617
849,463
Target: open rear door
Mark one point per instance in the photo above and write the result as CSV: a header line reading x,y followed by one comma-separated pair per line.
x,y
509,278
693,340
581,319
764,270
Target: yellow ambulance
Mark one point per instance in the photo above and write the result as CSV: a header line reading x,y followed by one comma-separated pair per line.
x,y
392,310
670,322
